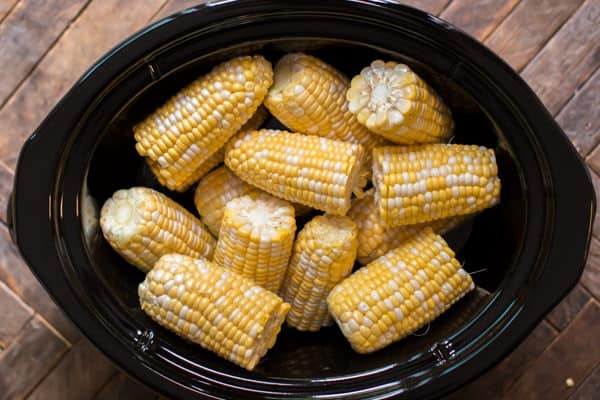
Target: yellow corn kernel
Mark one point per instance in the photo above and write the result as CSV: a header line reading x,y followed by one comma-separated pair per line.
x,y
374,240
189,128
309,96
398,293
393,101
142,225
218,309
324,254
318,172
421,183
256,238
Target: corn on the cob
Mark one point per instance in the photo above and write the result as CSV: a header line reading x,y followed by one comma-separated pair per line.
x,y
142,225
309,96
393,101
253,123
324,254
213,193
256,238
398,293
183,134
318,172
203,169
216,308
415,184
216,189
374,240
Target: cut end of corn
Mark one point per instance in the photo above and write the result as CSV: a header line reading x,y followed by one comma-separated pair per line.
x,y
324,254
256,238
393,101
185,132
374,239
399,292
317,172
415,184
216,308
142,224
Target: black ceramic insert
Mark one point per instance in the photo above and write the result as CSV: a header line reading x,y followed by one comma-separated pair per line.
x,y
525,253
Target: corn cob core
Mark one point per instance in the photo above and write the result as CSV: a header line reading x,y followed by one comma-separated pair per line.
x,y
216,308
308,96
216,189
324,254
318,172
393,101
142,225
374,240
256,238
415,184
189,128
398,293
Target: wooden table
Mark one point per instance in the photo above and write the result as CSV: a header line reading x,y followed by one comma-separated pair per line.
x,y
45,45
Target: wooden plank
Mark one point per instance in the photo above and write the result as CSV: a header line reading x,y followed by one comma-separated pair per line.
x,y
525,31
591,273
27,33
568,59
593,160
5,7
580,118
121,387
564,312
573,355
17,276
6,179
84,42
589,388
433,7
478,18
28,359
596,182
495,382
93,371
15,314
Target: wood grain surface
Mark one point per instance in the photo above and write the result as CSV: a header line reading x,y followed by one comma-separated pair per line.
x,y
45,46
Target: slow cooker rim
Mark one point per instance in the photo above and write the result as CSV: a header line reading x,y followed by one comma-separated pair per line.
x,y
19,184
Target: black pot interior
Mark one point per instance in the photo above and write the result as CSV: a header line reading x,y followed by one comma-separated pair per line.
x,y
487,244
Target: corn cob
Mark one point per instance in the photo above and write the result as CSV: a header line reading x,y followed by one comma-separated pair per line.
x,y
318,172
398,293
393,101
142,225
309,96
324,254
218,309
203,169
253,123
415,184
374,240
216,189
188,129
213,193
256,238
